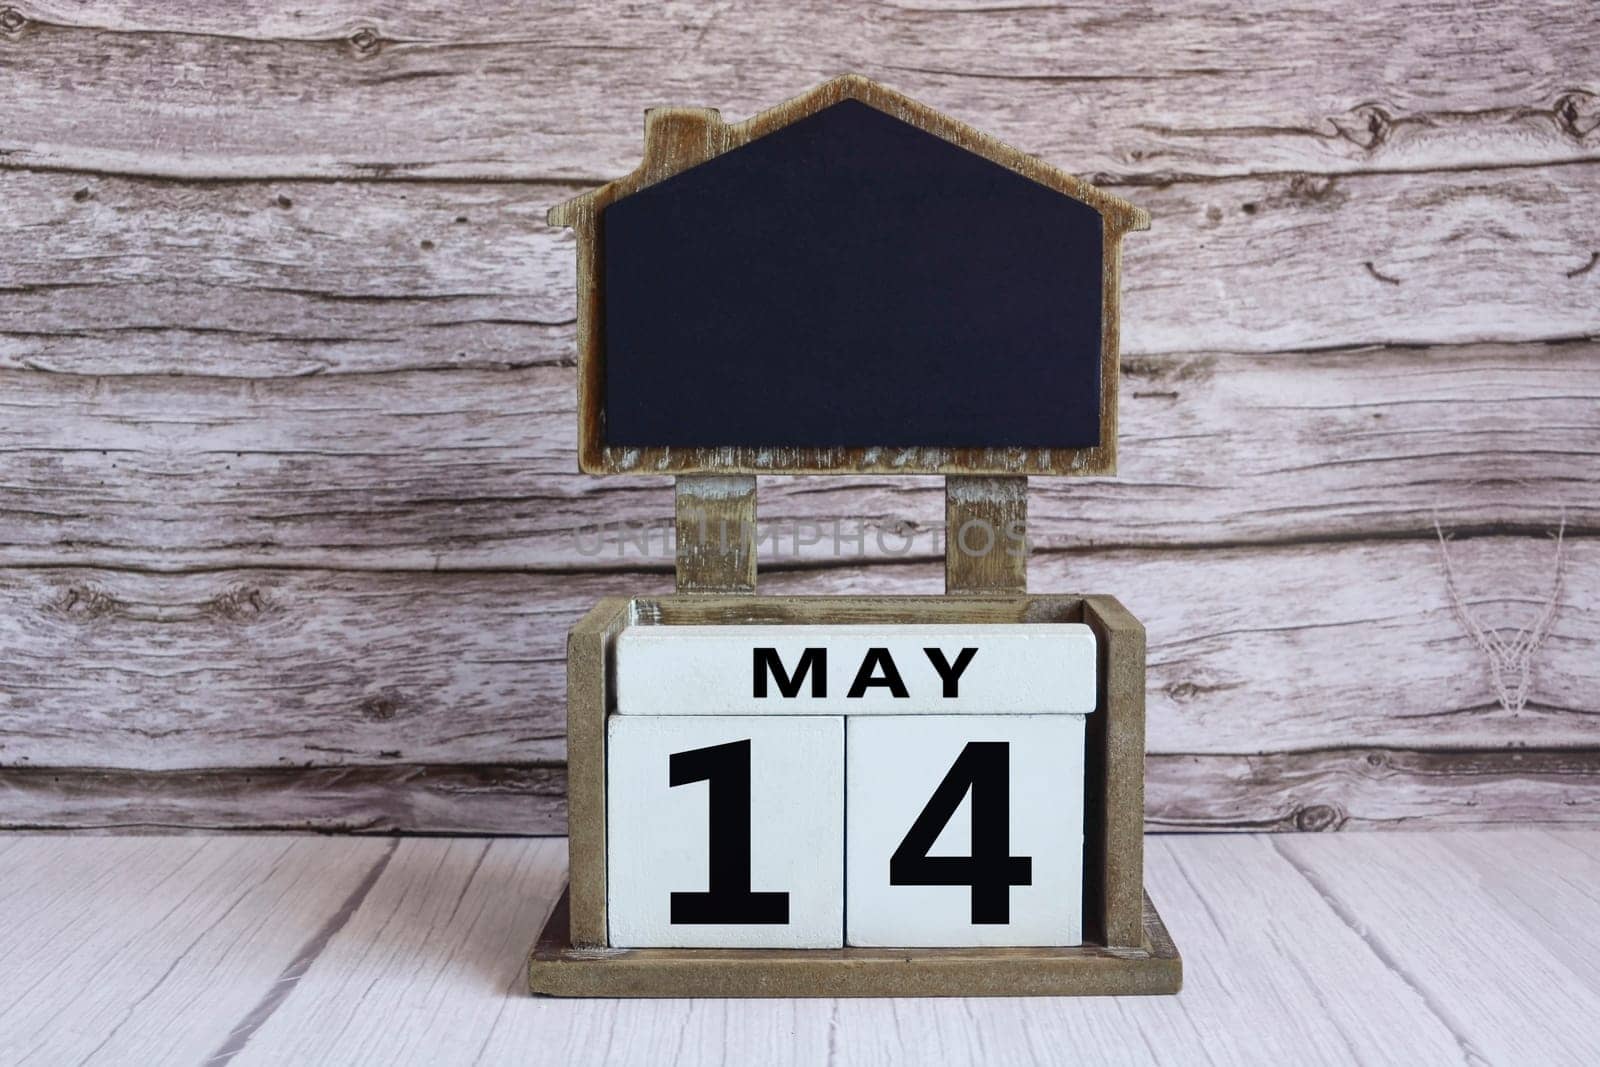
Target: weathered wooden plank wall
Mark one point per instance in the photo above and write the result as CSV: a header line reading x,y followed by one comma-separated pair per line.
x,y
287,489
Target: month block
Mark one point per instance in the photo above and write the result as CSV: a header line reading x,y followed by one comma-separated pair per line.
x,y
964,830
856,669
725,831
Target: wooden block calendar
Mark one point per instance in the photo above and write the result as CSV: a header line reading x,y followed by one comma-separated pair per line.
x,y
849,795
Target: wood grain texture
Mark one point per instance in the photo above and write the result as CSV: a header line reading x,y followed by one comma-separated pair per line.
x,y
285,668
246,411
1114,771
589,700
442,935
1264,943
1373,788
1415,948
1448,968
274,667
714,518
405,471
151,949
559,969
985,534
267,278
394,797
510,92
1317,790
1557,879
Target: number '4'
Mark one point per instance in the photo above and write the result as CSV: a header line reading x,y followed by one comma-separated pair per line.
x,y
984,767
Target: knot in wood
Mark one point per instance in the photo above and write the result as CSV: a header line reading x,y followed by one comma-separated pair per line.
x,y
241,602
366,41
1367,127
1311,189
380,707
86,602
12,20
1315,818
1577,114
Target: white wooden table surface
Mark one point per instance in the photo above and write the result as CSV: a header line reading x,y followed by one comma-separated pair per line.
x,y
1376,948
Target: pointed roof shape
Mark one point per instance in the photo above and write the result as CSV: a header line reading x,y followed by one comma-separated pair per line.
x,y
847,282
677,138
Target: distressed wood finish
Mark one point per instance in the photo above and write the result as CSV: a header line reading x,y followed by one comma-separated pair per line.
x,y
365,678
391,471
114,941
679,138
559,969
1318,790
1113,857
128,276
398,91
248,411
286,667
986,526
1375,788
445,914
1304,951
1358,882
715,516
387,798
588,700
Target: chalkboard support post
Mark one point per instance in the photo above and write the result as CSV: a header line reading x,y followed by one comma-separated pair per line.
x,y
716,533
985,524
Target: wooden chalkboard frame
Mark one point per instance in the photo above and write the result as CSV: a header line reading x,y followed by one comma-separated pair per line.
x,y
677,138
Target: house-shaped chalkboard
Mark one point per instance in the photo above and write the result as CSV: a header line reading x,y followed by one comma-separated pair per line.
x,y
847,282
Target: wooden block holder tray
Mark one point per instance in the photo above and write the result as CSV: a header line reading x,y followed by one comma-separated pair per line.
x,y
1126,948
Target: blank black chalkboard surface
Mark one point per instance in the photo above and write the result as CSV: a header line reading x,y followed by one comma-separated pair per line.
x,y
850,281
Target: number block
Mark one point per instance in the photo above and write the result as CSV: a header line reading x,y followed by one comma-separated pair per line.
x,y
964,830
725,831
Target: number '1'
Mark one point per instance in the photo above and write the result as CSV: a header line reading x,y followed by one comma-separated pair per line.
x,y
729,899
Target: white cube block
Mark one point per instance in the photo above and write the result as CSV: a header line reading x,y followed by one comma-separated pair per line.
x,y
978,818
745,851
1033,668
